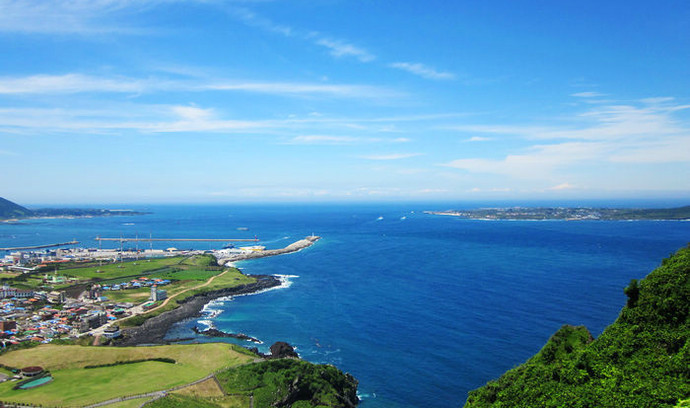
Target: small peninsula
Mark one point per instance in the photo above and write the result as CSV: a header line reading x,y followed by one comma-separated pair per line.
x,y
641,360
570,213
10,211
95,316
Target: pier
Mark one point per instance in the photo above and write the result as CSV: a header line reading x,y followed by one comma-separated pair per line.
x,y
39,246
178,239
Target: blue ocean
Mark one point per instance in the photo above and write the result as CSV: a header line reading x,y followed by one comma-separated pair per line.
x,y
419,308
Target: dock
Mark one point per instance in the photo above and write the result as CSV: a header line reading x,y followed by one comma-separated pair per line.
x,y
178,239
39,246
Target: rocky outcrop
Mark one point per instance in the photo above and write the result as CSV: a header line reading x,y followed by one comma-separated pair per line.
x,y
212,332
281,349
154,329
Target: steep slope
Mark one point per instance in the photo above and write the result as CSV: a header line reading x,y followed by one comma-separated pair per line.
x,y
641,360
8,209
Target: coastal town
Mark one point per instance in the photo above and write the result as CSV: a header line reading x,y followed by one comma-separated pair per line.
x,y
568,213
70,293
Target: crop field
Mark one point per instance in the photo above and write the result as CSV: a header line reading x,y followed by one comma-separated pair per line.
x,y
75,385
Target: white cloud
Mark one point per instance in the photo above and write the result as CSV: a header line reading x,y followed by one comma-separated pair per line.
x,y
341,140
589,94
562,186
392,156
252,19
422,70
609,138
287,88
323,139
478,139
73,83
340,48
82,17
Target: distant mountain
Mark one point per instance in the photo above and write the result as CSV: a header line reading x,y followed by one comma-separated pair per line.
x,y
8,209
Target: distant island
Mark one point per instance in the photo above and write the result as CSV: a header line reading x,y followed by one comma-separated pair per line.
x,y
640,360
570,213
13,211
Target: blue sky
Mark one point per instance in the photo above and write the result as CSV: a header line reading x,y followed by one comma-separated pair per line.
x,y
328,100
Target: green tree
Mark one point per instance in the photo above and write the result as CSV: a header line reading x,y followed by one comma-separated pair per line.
x,y
632,292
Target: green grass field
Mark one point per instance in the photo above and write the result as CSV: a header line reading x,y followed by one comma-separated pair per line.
x,y
116,270
75,385
231,278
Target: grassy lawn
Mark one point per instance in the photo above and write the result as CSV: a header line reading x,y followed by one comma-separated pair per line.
x,y
130,295
75,385
188,274
116,270
9,275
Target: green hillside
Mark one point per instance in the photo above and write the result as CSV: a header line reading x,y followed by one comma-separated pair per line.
x,y
641,360
8,209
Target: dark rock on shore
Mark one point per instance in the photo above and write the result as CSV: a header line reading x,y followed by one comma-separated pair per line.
x,y
217,333
154,329
281,349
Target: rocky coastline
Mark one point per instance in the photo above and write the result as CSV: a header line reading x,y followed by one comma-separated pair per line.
x,y
154,329
212,332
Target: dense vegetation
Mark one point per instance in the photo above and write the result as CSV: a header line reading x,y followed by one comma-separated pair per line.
x,y
291,383
641,360
8,209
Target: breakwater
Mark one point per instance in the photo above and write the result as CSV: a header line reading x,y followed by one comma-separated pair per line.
x,y
294,247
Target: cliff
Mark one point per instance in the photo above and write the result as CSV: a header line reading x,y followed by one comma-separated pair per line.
x,y
641,360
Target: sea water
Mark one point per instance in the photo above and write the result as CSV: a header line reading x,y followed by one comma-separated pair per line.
x,y
419,308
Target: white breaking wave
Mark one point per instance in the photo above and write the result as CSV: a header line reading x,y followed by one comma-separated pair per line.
x,y
215,307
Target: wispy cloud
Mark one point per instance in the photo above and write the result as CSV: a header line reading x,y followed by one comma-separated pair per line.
x,y
73,83
341,140
616,134
422,70
286,88
562,186
252,19
323,139
589,94
478,139
339,48
71,17
392,156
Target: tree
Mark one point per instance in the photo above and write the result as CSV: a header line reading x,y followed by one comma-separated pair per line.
x,y
632,292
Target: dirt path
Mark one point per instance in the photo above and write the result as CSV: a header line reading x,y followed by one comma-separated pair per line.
x,y
139,310
208,282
